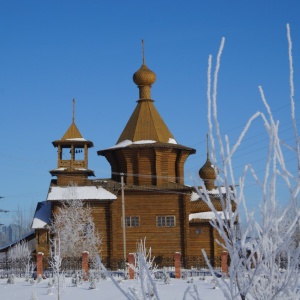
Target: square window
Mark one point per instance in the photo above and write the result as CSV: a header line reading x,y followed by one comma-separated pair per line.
x,y
165,221
132,221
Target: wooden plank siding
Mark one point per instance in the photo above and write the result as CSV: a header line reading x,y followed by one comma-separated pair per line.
x,y
102,221
42,241
158,165
201,235
164,241
186,237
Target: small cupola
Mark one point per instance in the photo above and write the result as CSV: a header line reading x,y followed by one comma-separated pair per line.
x,y
207,172
144,78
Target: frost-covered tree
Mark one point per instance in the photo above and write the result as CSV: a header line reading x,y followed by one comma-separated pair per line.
x,y
19,251
74,225
22,219
264,252
144,269
55,264
144,287
20,256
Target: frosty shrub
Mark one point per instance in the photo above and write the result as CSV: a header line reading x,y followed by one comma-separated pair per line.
x,y
145,287
33,295
73,223
22,218
19,251
264,252
11,279
93,284
191,293
59,281
144,269
20,255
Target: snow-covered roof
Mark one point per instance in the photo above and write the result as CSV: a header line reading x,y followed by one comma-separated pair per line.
x,y
216,191
172,141
79,192
42,215
29,237
126,143
63,169
76,139
194,196
208,215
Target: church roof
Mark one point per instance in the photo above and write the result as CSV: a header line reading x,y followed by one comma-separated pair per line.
x,y
72,133
207,215
42,216
146,123
79,192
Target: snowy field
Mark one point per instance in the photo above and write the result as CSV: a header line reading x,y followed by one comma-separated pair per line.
x,y
105,290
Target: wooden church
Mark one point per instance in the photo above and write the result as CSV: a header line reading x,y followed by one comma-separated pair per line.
x,y
146,186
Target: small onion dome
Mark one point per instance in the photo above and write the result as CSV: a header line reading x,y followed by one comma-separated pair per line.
x,y
207,171
144,76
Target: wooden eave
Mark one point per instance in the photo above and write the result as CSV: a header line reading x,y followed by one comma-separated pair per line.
x,y
197,221
72,172
114,186
69,143
156,145
170,187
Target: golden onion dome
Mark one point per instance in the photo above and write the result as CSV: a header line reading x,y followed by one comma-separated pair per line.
x,y
144,76
207,171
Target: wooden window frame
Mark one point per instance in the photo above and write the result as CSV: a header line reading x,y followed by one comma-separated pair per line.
x,y
166,221
131,221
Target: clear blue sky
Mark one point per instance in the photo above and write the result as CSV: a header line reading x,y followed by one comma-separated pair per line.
x,y
52,51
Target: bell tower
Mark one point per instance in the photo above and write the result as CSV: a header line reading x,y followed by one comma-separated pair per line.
x,y
72,157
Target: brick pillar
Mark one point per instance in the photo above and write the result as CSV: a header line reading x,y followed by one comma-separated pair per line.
x,y
131,262
177,265
224,262
85,264
39,264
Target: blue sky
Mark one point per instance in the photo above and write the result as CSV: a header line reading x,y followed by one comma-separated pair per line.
x,y
53,51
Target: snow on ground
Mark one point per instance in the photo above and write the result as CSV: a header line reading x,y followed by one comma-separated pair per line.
x,y
105,290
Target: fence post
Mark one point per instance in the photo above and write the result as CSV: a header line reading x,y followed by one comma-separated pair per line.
x,y
224,262
85,264
177,265
39,264
131,262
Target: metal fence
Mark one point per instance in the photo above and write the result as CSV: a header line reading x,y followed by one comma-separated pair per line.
x,y
191,266
18,267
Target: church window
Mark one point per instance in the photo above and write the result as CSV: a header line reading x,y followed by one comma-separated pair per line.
x,y
165,221
132,221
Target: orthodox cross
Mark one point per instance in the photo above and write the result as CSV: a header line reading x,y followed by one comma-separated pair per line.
x,y
143,51
73,115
